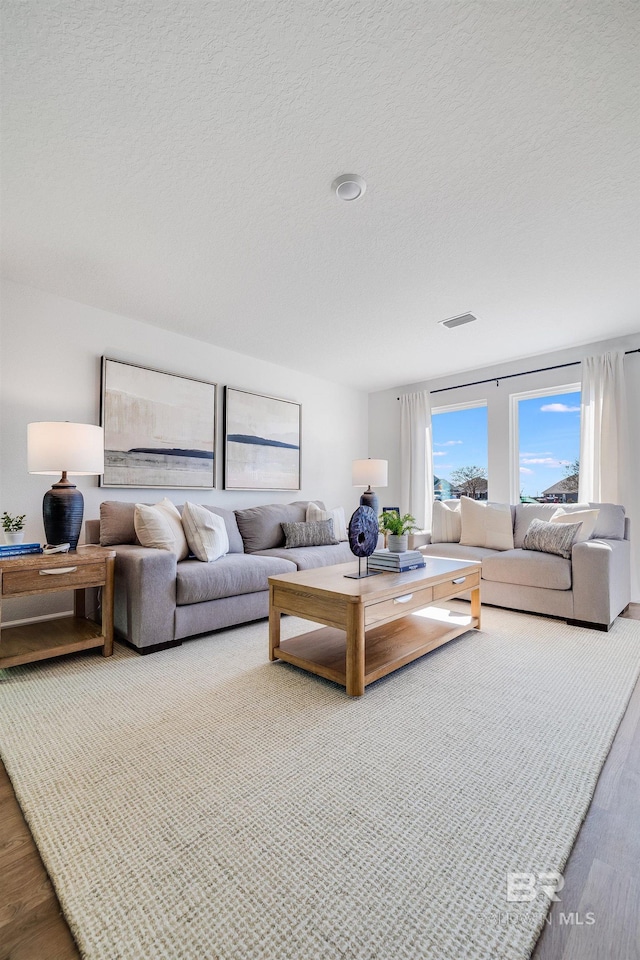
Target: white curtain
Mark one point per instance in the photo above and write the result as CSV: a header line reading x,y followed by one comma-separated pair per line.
x,y
603,430
416,461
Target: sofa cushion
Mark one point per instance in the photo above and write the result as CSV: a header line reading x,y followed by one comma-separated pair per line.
x,y
586,518
307,558
610,523
230,576
446,524
261,527
316,512
457,551
309,533
205,531
528,568
547,537
160,526
525,513
116,523
486,524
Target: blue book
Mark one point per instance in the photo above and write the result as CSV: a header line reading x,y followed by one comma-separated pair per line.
x,y
386,568
17,549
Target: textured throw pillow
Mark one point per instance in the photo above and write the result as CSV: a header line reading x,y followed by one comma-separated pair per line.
x,y
550,537
486,524
206,532
315,512
446,524
315,533
586,518
160,526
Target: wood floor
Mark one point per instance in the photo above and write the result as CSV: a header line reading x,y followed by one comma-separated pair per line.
x,y
602,875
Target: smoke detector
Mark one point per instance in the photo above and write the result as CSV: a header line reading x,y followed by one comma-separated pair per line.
x,y
457,321
349,186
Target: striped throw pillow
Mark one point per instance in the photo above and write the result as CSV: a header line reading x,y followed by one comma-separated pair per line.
x,y
205,531
557,538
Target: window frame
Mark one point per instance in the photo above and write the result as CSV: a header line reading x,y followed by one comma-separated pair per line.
x,y
514,428
453,408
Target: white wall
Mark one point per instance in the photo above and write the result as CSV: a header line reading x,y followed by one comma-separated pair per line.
x,y
50,351
384,416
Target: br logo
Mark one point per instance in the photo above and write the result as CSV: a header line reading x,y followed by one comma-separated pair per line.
x,y
525,887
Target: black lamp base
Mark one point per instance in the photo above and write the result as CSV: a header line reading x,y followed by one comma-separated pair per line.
x,y
370,499
62,510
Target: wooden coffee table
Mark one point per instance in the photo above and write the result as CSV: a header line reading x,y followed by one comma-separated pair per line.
x,y
374,625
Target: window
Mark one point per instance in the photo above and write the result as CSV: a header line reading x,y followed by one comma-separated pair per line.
x,y
547,432
460,451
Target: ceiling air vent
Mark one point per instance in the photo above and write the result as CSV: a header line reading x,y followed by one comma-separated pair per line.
x,y
458,321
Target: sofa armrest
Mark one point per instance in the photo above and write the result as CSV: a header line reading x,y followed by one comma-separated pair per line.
x,y
145,595
601,580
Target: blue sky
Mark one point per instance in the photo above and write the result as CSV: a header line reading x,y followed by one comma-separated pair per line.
x,y
549,438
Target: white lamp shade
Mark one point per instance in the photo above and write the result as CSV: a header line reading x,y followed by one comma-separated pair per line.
x,y
56,446
370,473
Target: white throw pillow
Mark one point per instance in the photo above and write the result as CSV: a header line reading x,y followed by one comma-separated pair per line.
x,y
206,532
314,512
160,526
486,524
446,522
586,518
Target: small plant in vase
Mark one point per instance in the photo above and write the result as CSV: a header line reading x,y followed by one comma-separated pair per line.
x,y
13,527
396,529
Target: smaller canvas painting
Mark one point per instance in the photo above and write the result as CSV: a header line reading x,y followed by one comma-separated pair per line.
x,y
159,429
262,442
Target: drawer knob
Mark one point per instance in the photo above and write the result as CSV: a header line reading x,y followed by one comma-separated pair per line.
x,y
57,570
404,599
459,580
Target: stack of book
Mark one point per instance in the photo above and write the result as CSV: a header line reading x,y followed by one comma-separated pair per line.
x,y
396,562
18,549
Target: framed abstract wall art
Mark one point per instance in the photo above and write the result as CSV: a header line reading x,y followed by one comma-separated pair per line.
x,y
262,447
159,429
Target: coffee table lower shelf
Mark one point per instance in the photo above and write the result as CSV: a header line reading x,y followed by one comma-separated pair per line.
x,y
387,648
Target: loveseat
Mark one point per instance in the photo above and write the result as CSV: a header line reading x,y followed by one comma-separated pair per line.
x,y
159,600
589,588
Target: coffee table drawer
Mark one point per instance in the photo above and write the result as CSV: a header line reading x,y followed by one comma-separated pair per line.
x,y
47,576
455,585
398,606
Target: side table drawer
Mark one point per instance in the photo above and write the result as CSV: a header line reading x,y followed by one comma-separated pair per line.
x,y
455,585
71,576
398,606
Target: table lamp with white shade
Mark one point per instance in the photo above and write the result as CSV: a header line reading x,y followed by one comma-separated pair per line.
x,y
55,447
370,473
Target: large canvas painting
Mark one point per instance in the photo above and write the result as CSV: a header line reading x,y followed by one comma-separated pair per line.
x,y
159,429
262,442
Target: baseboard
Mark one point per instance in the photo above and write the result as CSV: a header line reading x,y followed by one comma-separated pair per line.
x,y
39,619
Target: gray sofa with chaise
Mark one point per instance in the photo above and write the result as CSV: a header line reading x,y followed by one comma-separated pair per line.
x,y
160,601
590,588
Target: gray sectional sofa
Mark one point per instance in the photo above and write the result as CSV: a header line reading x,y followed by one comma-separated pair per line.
x,y
160,601
590,588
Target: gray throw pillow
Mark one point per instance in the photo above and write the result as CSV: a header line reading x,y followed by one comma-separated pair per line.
x,y
554,538
314,533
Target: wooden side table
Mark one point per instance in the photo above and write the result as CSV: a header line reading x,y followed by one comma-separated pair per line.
x,y
88,566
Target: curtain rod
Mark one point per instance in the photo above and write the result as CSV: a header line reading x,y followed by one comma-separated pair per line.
x,y
525,373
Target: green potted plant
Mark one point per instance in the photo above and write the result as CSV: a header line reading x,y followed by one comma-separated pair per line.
x,y
13,527
397,529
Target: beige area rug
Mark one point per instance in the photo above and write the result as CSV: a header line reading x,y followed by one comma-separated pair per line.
x,y
205,803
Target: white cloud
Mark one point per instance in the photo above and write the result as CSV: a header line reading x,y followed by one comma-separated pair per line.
x,y
547,461
440,453
526,470
448,443
545,453
558,408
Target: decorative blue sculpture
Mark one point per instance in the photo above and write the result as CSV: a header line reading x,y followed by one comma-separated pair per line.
x,y
363,539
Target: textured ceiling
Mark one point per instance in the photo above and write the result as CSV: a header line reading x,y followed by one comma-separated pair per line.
x,y
172,161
